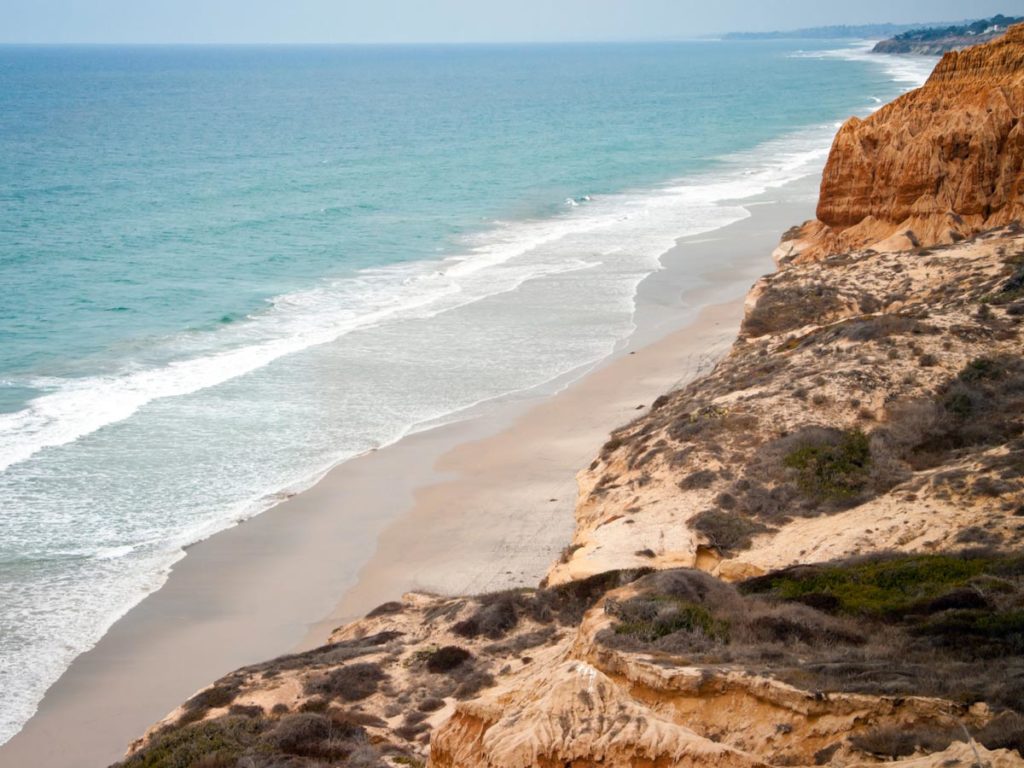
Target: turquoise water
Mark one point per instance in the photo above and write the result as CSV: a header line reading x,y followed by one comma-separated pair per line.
x,y
224,270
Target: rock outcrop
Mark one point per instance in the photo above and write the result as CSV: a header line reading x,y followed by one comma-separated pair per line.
x,y
936,165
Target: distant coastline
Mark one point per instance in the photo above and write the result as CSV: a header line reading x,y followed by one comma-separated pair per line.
x,y
836,32
935,41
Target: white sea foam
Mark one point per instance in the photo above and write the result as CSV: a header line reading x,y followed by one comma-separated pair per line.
x,y
908,70
294,322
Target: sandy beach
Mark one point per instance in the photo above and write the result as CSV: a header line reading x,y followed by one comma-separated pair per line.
x,y
482,504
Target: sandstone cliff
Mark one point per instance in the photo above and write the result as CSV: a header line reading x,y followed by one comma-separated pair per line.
x,y
936,165
811,556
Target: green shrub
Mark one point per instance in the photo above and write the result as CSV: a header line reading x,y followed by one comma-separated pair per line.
x,y
787,307
351,682
497,615
726,531
472,682
218,695
1009,291
1005,731
881,587
702,478
948,626
902,741
246,710
876,327
832,467
978,632
315,704
982,368
447,658
651,618
430,704
332,653
225,739
301,734
981,405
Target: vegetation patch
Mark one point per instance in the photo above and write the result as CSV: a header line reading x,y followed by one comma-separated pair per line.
x,y
302,740
878,327
1011,290
498,613
329,654
980,406
652,618
894,742
221,694
447,658
788,307
950,626
1006,731
224,739
831,465
814,470
727,531
386,609
351,682
885,587
702,478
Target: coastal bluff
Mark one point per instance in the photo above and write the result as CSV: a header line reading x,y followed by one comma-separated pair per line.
x,y
936,165
811,556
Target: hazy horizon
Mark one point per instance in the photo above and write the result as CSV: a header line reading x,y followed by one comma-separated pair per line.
x,y
444,21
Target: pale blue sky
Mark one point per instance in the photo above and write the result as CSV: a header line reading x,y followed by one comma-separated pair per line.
x,y
351,21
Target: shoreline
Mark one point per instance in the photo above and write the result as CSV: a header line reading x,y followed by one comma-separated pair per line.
x,y
462,507
680,335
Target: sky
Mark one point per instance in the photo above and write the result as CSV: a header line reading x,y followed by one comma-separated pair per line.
x,y
460,21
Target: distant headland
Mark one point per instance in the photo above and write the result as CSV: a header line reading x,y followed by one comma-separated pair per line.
x,y
926,38
935,41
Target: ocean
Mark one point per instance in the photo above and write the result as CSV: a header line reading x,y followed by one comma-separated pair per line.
x,y
224,270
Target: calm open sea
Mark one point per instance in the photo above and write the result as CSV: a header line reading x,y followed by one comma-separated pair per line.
x,y
224,270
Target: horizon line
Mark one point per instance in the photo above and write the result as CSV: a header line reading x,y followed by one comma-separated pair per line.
x,y
787,34
708,38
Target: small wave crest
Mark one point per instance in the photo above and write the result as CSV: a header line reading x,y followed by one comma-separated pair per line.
x,y
907,70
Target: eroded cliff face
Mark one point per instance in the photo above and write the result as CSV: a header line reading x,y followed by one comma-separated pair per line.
x,y
936,165
629,668
865,357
